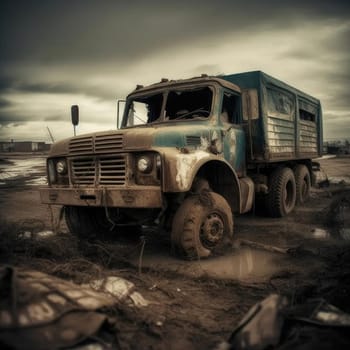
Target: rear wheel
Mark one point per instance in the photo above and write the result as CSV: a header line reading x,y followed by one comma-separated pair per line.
x,y
282,192
303,183
202,226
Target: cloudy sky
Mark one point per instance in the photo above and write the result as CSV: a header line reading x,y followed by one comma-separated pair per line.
x,y
57,53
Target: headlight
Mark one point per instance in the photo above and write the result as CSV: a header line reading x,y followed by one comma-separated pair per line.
x,y
51,171
144,164
158,161
61,167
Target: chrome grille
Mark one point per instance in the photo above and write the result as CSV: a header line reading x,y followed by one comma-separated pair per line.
x,y
99,171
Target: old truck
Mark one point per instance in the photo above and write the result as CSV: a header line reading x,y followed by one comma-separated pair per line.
x,y
190,154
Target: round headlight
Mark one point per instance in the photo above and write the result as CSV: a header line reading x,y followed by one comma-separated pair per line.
x,y
144,164
61,167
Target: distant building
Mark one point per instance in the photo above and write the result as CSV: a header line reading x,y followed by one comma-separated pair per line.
x,y
338,147
24,146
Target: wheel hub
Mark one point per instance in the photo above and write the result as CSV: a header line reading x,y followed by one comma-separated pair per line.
x,y
212,230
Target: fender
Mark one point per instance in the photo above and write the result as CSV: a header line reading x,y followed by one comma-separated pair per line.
x,y
183,167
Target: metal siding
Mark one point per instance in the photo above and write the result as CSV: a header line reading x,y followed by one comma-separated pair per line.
x,y
280,136
308,138
276,135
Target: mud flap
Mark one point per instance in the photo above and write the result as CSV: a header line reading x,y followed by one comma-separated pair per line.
x,y
319,176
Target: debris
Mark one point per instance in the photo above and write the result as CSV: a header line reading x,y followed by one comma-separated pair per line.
x,y
39,311
115,286
47,312
120,288
319,312
262,326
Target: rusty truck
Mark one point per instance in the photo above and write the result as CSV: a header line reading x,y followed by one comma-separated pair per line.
x,y
188,156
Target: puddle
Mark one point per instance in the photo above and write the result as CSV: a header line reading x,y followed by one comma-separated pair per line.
x,y
339,180
244,263
30,170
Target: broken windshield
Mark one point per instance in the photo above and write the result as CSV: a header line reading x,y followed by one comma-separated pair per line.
x,y
184,104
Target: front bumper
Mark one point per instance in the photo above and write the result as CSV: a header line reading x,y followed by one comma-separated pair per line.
x,y
147,197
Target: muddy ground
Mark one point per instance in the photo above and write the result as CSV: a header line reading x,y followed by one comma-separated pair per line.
x,y
197,304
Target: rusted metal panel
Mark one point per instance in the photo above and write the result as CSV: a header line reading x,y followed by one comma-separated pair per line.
x,y
280,133
96,144
131,197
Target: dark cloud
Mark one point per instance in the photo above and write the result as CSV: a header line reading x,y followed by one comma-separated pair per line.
x,y
69,31
4,103
40,40
6,117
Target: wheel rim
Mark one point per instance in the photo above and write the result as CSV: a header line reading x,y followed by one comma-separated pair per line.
x,y
212,230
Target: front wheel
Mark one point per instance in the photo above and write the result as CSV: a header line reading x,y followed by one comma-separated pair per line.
x,y
202,226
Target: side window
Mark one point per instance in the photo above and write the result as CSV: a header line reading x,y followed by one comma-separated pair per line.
x,y
280,104
307,111
230,110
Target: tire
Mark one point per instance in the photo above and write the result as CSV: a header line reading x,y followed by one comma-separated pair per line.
x,y
91,223
282,192
202,226
87,222
303,183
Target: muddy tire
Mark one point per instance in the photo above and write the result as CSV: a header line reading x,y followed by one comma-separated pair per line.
x,y
303,183
202,226
282,193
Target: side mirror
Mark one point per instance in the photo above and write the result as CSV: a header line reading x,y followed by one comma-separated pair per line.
x,y
250,104
75,114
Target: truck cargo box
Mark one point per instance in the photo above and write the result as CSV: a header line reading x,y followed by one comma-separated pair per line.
x,y
288,124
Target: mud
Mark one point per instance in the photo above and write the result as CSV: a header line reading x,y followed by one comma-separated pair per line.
x,y
193,304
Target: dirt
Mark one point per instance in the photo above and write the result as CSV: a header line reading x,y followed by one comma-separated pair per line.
x,y
195,304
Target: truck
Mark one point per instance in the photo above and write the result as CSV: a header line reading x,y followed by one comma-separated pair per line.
x,y
188,156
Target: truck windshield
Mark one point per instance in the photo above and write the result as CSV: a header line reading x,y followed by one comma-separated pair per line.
x,y
180,104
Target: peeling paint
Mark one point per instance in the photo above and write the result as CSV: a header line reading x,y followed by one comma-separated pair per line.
x,y
204,143
184,167
232,144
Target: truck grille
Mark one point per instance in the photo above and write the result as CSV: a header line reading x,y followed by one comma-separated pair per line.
x,y
81,145
96,144
99,171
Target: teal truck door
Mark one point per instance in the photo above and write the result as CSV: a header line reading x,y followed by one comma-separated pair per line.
x,y
234,137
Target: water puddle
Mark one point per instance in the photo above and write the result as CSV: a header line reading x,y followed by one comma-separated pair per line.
x,y
339,180
27,171
245,263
